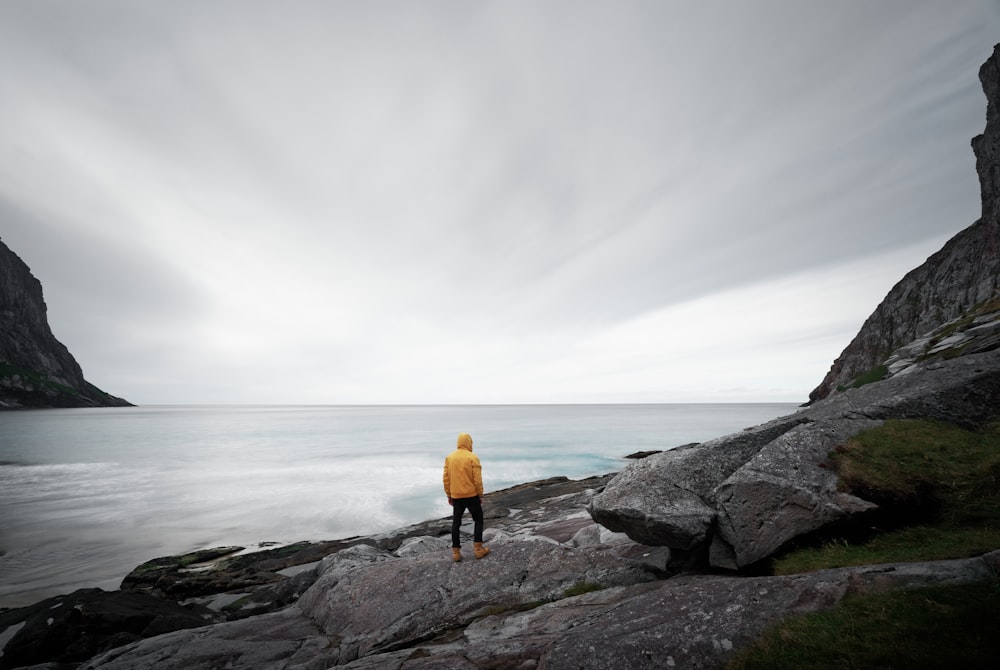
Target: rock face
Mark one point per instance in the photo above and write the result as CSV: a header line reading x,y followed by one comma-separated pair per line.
x,y
36,370
964,273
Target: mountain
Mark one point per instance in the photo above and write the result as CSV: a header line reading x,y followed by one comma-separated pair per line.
x,y
962,275
36,369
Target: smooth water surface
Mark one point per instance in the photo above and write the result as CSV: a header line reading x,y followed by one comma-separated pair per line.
x,y
88,494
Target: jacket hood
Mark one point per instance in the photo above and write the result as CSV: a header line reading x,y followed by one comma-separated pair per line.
x,y
465,441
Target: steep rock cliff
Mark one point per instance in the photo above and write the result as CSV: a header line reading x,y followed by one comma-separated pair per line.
x,y
36,370
964,273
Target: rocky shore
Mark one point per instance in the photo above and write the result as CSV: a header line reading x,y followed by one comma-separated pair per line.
x,y
558,591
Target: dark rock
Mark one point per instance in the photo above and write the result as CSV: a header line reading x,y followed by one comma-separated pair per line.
x,y
73,628
964,273
644,454
223,569
36,370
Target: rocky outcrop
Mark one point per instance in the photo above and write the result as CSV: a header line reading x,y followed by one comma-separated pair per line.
x,y
78,626
36,370
359,616
964,273
738,499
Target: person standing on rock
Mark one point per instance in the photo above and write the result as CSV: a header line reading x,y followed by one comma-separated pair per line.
x,y
463,484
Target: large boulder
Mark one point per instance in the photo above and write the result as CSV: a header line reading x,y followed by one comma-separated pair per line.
x,y
663,499
782,492
747,495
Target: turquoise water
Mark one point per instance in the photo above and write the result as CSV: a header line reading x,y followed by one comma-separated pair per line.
x,y
88,494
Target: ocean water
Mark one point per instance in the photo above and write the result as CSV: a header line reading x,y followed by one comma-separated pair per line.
x,y
88,494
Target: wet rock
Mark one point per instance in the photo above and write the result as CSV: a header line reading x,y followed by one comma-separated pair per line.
x,y
75,627
284,639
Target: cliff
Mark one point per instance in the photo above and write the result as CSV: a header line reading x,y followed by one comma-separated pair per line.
x,y
964,273
36,370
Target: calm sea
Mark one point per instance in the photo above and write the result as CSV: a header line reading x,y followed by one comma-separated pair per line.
x,y
88,494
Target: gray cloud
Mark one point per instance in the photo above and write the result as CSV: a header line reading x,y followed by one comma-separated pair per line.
x,y
354,195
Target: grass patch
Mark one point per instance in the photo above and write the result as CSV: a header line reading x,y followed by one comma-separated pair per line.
x,y
901,629
914,543
938,486
986,307
35,378
876,374
577,589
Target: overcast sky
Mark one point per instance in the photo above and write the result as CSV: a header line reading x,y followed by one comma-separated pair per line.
x,y
474,201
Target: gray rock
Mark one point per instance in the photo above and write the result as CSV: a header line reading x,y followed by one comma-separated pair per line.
x,y
374,603
664,499
783,492
702,621
415,546
372,609
685,622
746,495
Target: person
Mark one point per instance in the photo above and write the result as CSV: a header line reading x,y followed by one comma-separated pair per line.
x,y
463,484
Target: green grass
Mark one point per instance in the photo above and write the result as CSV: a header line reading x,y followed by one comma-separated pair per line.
x,y
7,370
915,543
577,589
938,487
876,374
941,627
941,483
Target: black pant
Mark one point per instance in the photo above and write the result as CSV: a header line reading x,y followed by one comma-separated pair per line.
x,y
475,507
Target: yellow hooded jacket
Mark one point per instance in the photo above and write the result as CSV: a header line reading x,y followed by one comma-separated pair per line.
x,y
463,475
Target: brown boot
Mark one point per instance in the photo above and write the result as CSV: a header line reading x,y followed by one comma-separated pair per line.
x,y
480,550
456,554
